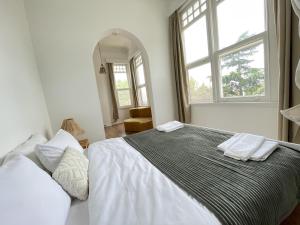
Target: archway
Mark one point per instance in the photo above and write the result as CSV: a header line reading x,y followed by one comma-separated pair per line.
x,y
118,41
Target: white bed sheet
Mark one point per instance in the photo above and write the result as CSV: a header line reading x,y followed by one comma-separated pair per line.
x,y
126,189
79,213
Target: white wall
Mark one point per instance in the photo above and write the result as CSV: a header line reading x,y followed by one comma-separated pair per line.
x,y
105,97
257,118
65,33
173,5
23,110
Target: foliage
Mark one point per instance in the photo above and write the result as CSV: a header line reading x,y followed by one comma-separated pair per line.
x,y
121,84
124,98
199,92
123,95
242,80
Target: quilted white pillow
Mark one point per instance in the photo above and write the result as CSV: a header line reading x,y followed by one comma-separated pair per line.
x,y
29,196
72,174
51,153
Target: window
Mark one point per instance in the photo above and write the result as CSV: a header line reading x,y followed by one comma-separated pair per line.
x,y
140,81
200,86
123,90
226,50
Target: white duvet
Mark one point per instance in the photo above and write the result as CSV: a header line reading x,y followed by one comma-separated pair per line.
x,y
126,189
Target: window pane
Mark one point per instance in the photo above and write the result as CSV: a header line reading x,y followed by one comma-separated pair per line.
x,y
195,41
124,98
192,12
143,99
242,72
239,19
200,84
140,75
121,80
119,68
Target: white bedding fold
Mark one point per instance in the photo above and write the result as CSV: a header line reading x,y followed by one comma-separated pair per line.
x,y
127,189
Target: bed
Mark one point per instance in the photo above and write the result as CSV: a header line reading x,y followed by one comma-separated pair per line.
x,y
126,187
78,214
152,178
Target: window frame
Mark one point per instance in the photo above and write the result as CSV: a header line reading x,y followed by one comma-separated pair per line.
x,y
138,87
214,53
123,89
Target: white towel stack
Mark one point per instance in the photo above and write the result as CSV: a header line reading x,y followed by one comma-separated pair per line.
x,y
248,146
170,126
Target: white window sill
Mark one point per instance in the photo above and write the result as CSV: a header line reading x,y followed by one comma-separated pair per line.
x,y
234,103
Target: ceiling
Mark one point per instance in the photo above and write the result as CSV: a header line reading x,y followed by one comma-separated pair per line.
x,y
117,41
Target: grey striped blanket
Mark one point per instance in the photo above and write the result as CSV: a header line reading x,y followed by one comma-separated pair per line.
x,y
238,193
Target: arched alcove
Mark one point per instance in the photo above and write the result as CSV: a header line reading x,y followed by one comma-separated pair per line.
x,y
100,78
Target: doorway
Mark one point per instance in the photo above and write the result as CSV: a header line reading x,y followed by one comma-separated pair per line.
x,y
122,75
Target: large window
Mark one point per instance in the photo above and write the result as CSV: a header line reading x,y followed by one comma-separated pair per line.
x,y
123,90
226,50
140,81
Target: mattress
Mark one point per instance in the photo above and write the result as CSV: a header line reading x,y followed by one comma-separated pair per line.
x,y
79,214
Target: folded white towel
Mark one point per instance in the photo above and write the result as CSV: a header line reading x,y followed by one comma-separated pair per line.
x,y
226,144
244,146
170,126
261,154
267,148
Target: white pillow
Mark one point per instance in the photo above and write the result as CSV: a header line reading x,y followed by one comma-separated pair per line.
x,y
27,148
50,153
72,174
29,196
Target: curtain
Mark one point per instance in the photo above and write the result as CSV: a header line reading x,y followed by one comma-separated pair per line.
x,y
283,19
133,82
110,72
179,70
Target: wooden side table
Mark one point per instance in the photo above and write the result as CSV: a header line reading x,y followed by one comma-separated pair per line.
x,y
84,143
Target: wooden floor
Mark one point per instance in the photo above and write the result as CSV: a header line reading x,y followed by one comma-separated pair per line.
x,y
114,131
293,219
